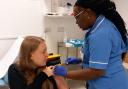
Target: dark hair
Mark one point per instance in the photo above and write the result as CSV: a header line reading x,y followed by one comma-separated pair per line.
x,y
108,9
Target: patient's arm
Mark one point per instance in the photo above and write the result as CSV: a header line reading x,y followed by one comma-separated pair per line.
x,y
61,82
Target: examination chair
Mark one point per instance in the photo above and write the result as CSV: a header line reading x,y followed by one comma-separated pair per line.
x,y
7,60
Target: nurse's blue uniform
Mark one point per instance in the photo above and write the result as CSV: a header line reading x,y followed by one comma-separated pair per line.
x,y
102,49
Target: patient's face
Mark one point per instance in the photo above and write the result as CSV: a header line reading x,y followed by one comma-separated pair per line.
x,y
40,55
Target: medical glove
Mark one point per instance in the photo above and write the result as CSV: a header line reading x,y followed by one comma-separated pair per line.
x,y
60,70
72,60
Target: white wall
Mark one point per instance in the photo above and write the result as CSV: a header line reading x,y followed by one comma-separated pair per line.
x,y
122,7
20,18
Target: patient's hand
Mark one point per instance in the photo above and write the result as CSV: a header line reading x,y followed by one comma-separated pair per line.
x,y
61,82
49,70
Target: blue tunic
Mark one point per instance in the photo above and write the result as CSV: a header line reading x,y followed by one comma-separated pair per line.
x,y
102,50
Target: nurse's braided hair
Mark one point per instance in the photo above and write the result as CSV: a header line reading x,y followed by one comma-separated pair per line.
x,y
108,9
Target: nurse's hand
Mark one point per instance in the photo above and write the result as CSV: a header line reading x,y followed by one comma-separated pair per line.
x,y
60,70
72,60
49,70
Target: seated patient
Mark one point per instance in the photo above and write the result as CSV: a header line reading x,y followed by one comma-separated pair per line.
x,y
30,71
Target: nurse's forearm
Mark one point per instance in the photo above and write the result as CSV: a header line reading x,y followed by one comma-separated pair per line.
x,y
85,74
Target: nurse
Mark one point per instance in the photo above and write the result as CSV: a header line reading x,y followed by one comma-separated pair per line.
x,y
104,46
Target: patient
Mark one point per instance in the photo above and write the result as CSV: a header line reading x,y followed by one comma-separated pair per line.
x,y
30,71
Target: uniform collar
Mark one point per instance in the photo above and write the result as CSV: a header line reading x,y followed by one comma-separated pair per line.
x,y
97,23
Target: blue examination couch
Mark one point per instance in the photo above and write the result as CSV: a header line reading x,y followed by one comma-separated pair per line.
x,y
4,82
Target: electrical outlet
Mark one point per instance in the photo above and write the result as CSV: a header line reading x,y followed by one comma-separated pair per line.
x,y
60,29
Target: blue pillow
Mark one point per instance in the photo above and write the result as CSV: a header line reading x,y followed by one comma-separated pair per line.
x,y
5,78
2,82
